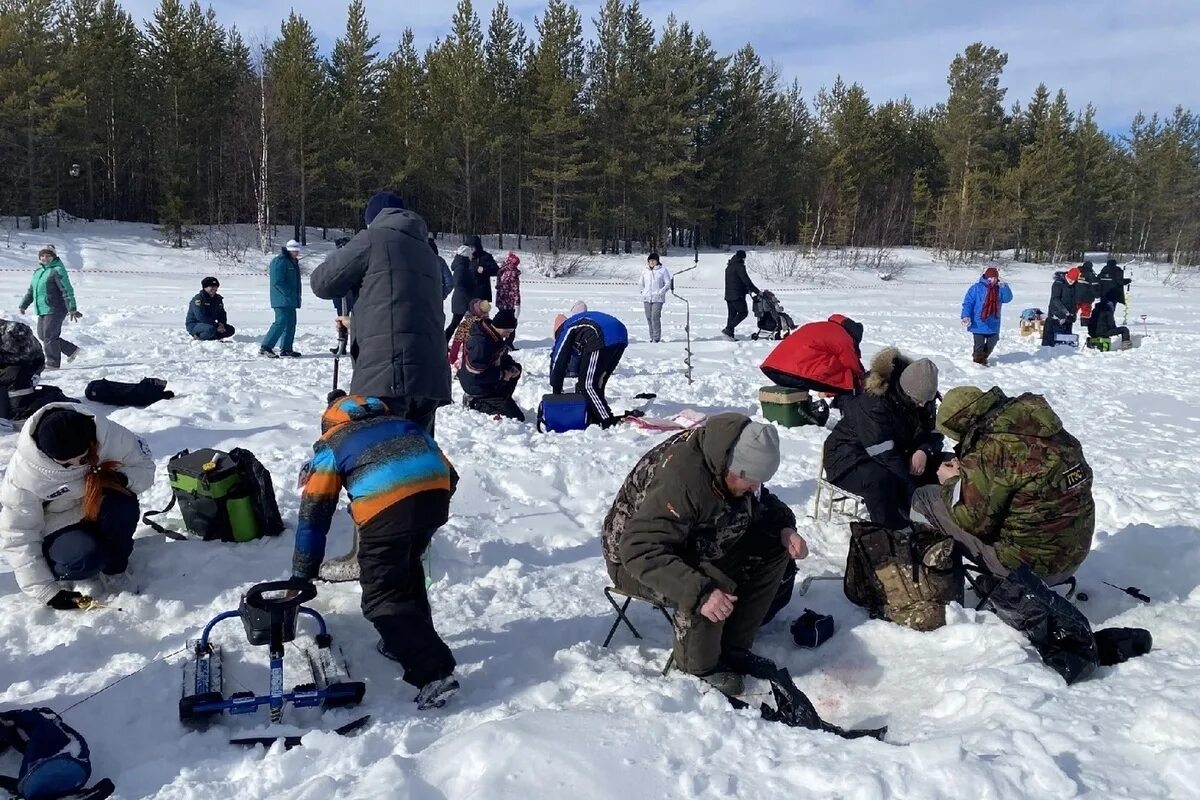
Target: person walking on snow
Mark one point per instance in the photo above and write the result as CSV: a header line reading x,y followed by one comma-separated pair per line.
x,y
472,280
737,286
399,483
981,312
508,285
68,504
206,319
1060,315
656,282
53,298
285,299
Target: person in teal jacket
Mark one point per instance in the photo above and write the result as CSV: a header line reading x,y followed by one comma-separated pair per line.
x,y
285,299
981,312
53,298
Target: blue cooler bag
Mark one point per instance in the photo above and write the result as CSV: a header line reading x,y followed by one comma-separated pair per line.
x,y
55,762
562,412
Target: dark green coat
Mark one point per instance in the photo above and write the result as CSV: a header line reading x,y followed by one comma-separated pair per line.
x,y
1024,486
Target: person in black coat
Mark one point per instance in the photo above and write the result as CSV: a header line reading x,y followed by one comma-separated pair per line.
x,y
489,375
397,346
473,269
484,267
1060,316
737,286
1103,324
886,443
206,318
1113,282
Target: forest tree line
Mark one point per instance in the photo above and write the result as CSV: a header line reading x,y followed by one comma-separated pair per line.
x,y
624,135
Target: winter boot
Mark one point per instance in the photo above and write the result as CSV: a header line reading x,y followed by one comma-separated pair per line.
x,y
435,693
290,354
728,334
71,358
725,681
980,359
1126,345
268,352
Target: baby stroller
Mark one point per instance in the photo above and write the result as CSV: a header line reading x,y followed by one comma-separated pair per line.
x,y
773,323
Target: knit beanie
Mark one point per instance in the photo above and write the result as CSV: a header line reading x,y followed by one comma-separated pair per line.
x,y
919,381
1073,274
47,249
379,201
740,255
505,318
209,281
755,455
991,272
63,434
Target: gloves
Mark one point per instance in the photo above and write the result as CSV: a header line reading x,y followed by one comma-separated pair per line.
x,y
70,601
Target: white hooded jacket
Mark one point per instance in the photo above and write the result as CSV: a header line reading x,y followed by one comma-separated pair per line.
x,y
38,496
655,284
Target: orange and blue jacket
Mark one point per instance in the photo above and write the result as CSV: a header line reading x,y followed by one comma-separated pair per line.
x,y
379,459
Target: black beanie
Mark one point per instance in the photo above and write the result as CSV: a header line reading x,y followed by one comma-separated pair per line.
x,y
505,318
740,255
1112,262
209,281
63,434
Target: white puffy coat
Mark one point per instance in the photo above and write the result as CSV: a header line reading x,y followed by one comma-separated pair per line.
x,y
655,284
38,497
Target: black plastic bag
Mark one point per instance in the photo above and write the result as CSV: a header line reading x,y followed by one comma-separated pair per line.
x,y
145,392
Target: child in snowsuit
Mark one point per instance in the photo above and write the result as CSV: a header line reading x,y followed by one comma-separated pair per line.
x,y
68,504
508,285
399,484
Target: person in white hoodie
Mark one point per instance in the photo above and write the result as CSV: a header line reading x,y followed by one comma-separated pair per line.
x,y
656,282
68,502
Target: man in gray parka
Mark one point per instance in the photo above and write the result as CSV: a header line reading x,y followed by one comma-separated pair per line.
x,y
395,281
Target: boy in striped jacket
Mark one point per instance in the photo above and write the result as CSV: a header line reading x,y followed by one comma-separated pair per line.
x,y
399,483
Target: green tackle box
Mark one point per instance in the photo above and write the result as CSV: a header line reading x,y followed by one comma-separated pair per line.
x,y
788,408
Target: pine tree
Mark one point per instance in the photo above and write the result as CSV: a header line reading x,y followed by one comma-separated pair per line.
x,y
354,75
503,55
402,139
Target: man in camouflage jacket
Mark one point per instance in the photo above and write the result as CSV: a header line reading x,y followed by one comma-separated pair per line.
x,y
1020,491
21,364
693,528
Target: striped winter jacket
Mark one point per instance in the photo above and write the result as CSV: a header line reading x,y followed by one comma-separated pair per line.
x,y
381,461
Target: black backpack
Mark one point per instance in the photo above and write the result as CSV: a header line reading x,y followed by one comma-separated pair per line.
x,y
222,496
138,395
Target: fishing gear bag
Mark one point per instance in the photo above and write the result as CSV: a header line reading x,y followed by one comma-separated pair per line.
x,y
145,392
229,497
55,760
562,412
907,577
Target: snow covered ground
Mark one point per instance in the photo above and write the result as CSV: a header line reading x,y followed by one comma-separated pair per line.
x,y
545,711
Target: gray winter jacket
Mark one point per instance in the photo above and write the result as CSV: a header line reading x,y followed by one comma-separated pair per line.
x,y
399,345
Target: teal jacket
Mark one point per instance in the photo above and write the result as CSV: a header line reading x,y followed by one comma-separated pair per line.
x,y
285,282
50,291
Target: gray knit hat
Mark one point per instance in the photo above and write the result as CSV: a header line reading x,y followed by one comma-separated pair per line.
x,y
919,381
756,453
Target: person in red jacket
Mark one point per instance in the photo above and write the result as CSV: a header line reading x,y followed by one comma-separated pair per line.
x,y
820,356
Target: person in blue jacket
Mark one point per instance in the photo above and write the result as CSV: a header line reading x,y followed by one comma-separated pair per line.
x,y
206,319
981,312
285,299
598,340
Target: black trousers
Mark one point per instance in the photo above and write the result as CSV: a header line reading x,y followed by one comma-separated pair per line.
x,y
394,599
499,401
888,496
594,371
738,311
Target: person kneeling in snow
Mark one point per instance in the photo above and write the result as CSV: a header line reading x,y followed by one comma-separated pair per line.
x,y
206,319
820,356
1102,324
694,528
399,484
488,374
595,342
1020,491
68,504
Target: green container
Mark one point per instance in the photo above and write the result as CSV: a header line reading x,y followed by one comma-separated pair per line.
x,y
786,407
1099,343
211,496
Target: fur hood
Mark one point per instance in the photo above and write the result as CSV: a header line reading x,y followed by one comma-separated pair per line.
x,y
885,370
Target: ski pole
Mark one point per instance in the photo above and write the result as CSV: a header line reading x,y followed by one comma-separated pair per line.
x,y
343,336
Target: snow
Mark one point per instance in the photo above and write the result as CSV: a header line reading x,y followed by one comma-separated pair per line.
x,y
544,710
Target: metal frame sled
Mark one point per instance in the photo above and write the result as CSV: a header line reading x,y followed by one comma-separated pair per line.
x,y
269,621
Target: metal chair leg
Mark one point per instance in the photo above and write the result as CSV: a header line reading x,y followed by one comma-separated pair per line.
x,y
670,661
621,617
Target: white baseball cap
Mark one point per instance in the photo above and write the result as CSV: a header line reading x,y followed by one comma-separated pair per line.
x,y
293,245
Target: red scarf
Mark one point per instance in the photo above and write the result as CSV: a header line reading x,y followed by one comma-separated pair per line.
x,y
991,304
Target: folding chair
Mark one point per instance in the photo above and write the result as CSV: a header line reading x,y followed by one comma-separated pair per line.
x,y
836,498
622,616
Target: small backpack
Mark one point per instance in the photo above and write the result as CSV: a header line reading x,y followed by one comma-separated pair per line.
x,y
906,577
55,760
228,497
562,412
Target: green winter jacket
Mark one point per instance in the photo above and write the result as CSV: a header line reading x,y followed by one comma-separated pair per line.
x,y
50,291
1024,486
673,518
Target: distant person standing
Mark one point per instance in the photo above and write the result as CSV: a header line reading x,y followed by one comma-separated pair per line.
x,y
1060,316
53,298
473,267
483,266
285,300
508,285
981,312
737,286
656,282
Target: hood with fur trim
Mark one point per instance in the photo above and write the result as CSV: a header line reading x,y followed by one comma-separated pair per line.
x,y
885,370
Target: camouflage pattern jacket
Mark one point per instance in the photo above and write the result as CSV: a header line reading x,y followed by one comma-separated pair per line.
x,y
1024,486
673,516
21,357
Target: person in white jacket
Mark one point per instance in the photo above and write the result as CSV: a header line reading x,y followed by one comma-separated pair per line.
x,y
68,502
656,282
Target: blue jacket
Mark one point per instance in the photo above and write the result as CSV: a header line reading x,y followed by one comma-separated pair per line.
x,y
285,281
972,308
579,335
206,310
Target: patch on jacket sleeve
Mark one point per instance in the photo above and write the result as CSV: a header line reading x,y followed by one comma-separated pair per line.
x,y
1074,477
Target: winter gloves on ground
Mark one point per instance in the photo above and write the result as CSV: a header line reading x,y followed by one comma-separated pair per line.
x,y
69,601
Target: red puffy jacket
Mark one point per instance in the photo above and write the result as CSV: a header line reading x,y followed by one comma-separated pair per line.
x,y
822,356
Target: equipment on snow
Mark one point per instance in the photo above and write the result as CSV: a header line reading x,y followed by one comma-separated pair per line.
x,y
144,393
1101,343
1132,591
1118,645
267,621
687,323
559,413
811,629
1066,340
290,742
773,322
1031,322
55,759
684,420
792,408
225,496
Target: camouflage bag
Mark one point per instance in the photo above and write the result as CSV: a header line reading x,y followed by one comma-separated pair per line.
x,y
906,576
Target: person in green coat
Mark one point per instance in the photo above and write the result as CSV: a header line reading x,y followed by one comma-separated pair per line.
x,y
53,299
285,299
1020,491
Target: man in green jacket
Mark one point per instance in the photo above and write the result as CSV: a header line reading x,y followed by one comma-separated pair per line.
x,y
285,300
53,298
694,529
1020,491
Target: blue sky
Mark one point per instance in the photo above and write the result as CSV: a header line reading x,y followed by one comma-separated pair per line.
x,y
1120,55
